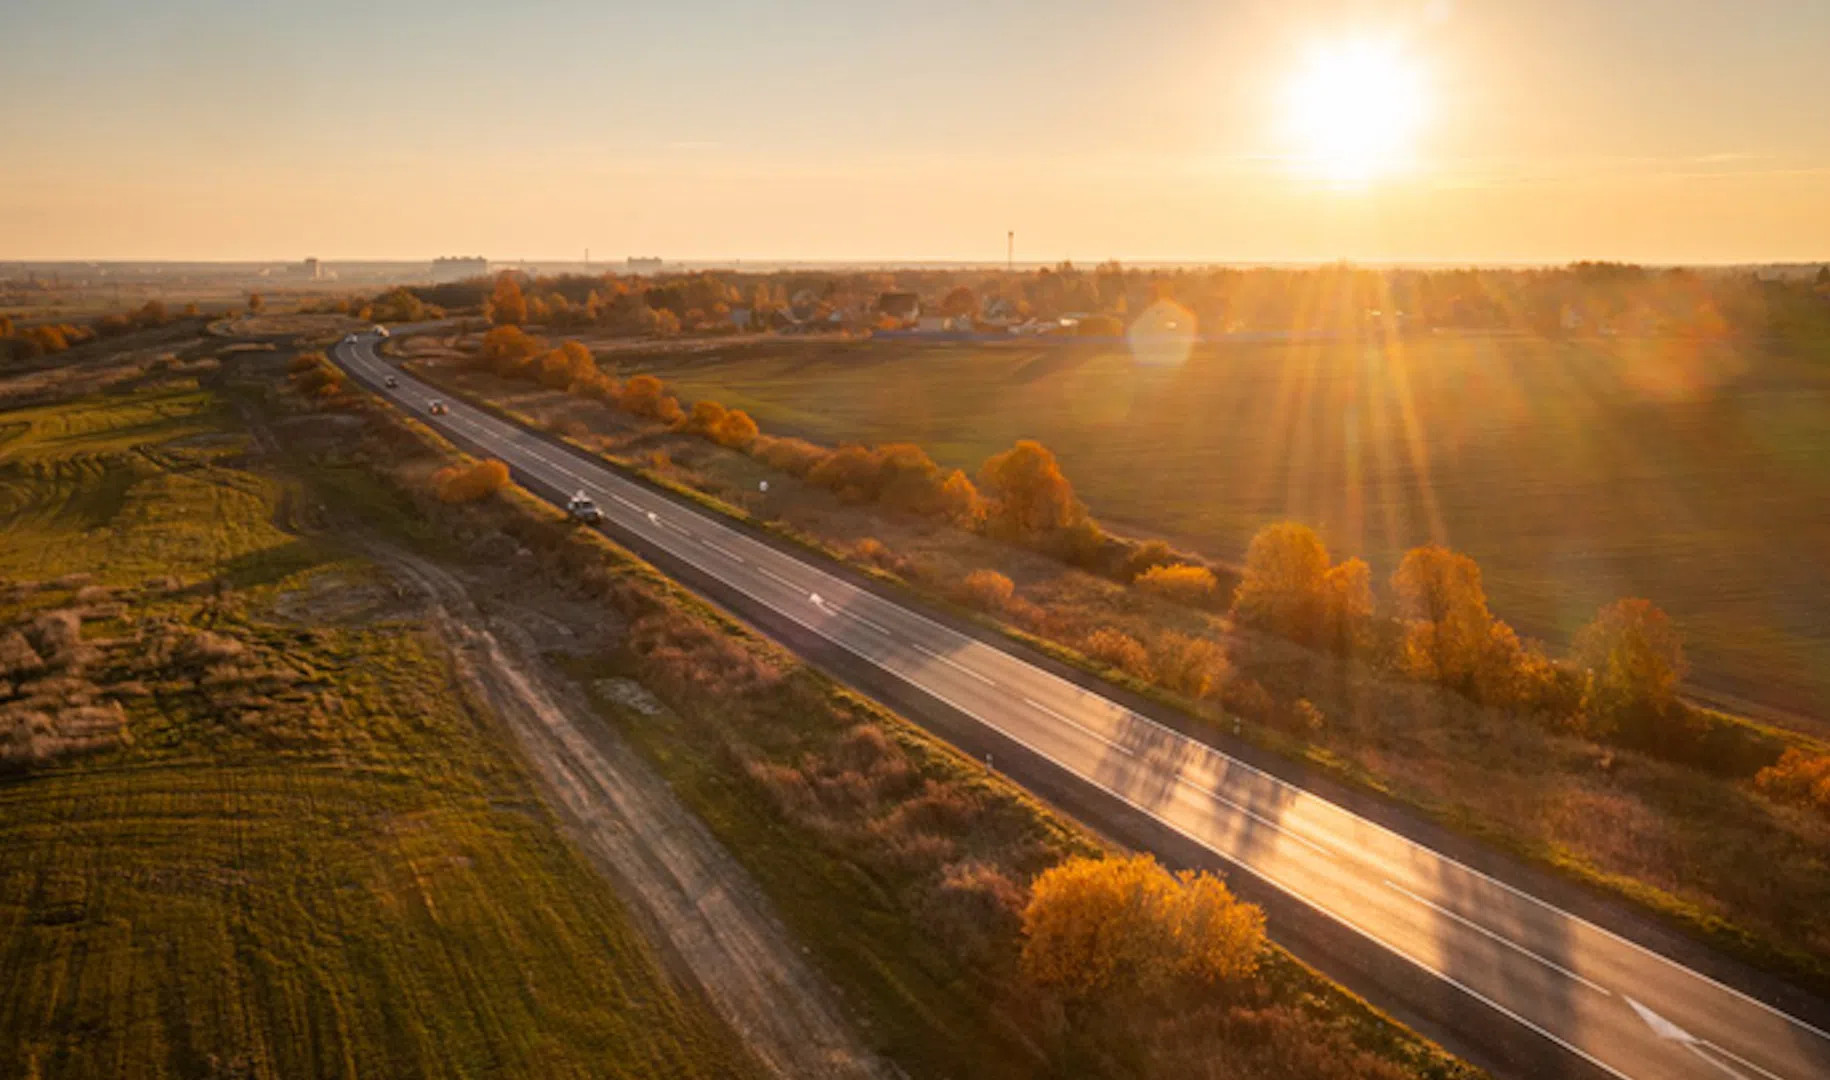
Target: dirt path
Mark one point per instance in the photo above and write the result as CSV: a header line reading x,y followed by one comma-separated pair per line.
x,y
691,894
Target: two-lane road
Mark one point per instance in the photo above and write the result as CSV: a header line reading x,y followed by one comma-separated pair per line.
x,y
1612,1006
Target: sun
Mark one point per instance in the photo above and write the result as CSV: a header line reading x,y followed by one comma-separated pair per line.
x,y
1353,110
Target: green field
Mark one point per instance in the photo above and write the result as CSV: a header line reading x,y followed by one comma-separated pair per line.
x,y
312,859
1575,472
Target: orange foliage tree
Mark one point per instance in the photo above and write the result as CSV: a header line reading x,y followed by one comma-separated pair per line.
x,y
568,364
1288,587
644,395
1634,660
508,349
1094,926
507,306
1029,496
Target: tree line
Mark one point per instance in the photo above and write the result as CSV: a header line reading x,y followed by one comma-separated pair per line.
x,y
22,343
1578,299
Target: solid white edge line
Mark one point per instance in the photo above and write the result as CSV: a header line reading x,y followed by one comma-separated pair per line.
x,y
1501,938
1769,1074
1721,1067
1004,657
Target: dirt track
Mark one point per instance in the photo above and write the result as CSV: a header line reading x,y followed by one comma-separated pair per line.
x,y
691,895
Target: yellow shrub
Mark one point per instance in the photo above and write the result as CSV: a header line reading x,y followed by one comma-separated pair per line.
x,y
468,483
1118,649
1798,778
1180,582
1094,925
988,589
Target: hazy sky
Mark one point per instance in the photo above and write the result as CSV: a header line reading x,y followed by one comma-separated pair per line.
x,y
1657,130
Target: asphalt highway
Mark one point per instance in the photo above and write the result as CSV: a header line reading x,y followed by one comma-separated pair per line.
x,y
1610,1006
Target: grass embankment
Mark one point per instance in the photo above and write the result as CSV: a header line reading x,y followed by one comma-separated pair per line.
x,y
1574,472
1708,853
259,840
899,863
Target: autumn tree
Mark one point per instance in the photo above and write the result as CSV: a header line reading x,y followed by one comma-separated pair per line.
x,y
1029,496
959,500
508,349
1281,588
703,418
644,395
507,305
960,302
1445,607
1098,926
256,303
569,363
1633,658
736,430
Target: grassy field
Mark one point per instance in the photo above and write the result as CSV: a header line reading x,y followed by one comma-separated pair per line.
x,y
310,857
1574,472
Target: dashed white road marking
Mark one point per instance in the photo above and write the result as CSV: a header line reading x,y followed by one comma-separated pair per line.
x,y
952,663
722,550
866,620
775,577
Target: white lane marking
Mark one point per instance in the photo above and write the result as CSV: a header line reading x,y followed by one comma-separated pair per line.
x,y
1730,1054
1698,1052
775,577
1670,1032
952,663
1071,722
814,598
722,550
1404,841
653,518
625,502
872,623
1502,939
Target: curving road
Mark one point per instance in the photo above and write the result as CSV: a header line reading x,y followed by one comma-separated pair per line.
x,y
1594,1002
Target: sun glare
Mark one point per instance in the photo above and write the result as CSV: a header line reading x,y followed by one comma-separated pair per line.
x,y
1353,110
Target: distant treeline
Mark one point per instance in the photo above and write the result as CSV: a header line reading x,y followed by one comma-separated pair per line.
x,y
1581,299
21,343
